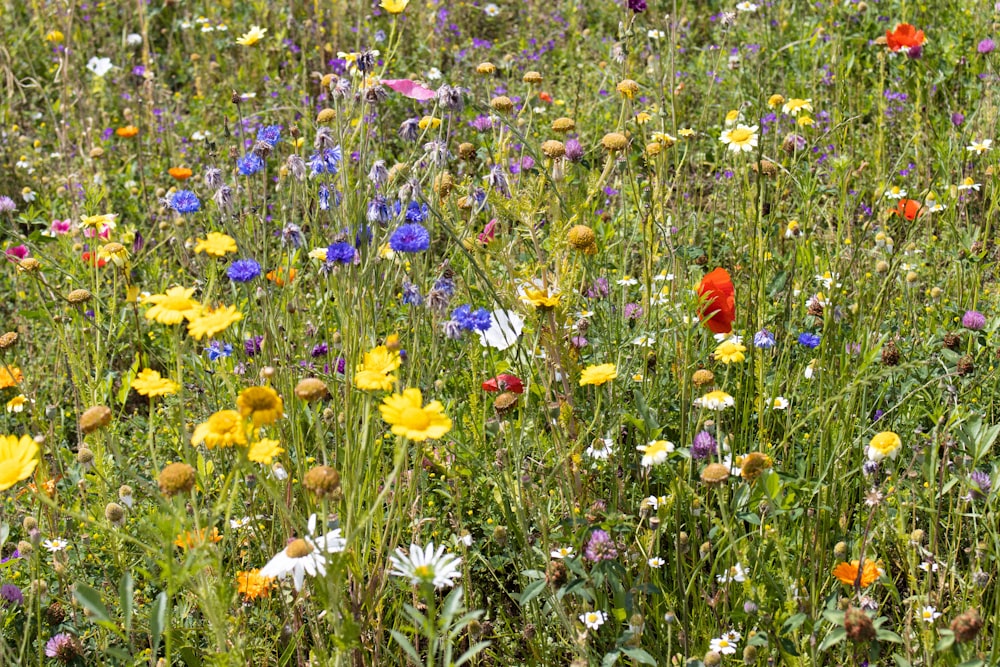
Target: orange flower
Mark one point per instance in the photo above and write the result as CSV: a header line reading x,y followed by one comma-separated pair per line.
x,y
127,132
251,585
908,208
193,538
278,276
847,573
718,310
10,376
180,173
545,97
905,36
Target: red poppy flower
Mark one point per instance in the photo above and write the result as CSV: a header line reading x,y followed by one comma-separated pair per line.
x,y
908,208
905,36
545,97
504,382
718,310
94,260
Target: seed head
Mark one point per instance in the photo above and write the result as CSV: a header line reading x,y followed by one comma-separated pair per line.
x,y
176,478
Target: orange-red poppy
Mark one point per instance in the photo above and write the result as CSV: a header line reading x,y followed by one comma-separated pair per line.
x,y
545,97
127,132
718,310
908,208
847,573
180,173
904,36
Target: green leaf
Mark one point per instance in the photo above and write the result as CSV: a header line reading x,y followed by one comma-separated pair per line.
x,y
973,663
888,636
91,601
157,620
471,653
640,655
836,636
407,647
946,641
901,661
532,591
647,417
793,623
126,593
772,485
610,659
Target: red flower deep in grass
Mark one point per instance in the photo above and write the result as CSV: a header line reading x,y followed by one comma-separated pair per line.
x,y
908,208
504,382
905,36
718,310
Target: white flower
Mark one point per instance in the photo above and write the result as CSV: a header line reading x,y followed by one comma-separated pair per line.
x,y
741,138
928,567
600,449
133,39
306,555
735,573
811,369
491,10
663,275
433,74
279,472
969,184
628,281
465,540
656,562
722,645
895,192
644,341
237,524
56,545
99,66
779,403
746,7
715,400
593,619
732,636
980,146
505,327
929,614
729,337
655,452
654,502
561,552
655,34
426,566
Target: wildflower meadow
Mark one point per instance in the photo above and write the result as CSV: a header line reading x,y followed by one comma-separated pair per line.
x,y
442,333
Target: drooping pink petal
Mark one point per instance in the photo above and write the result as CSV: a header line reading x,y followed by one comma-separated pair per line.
x,y
410,88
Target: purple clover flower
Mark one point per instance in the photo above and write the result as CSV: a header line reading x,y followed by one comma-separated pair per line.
x,y
600,547
973,320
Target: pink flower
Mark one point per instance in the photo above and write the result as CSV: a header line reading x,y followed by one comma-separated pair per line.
x,y
489,231
61,226
411,89
17,252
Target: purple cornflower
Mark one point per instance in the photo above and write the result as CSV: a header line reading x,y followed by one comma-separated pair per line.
x,y
986,46
251,346
703,446
341,251
809,340
763,339
412,237
270,135
11,595
319,350
637,6
243,270
979,485
185,201
974,320
600,547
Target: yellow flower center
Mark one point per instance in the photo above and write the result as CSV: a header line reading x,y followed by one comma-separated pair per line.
x,y
740,135
423,572
415,418
298,549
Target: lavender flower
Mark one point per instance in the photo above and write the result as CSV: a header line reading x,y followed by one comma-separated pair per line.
x,y
252,345
574,151
11,595
703,446
763,339
7,205
979,485
64,647
986,46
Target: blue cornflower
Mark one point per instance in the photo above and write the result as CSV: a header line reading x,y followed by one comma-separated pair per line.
x,y
763,339
217,350
243,270
363,237
416,212
411,237
471,320
326,161
250,164
270,135
411,294
379,210
185,201
324,197
445,284
810,340
342,252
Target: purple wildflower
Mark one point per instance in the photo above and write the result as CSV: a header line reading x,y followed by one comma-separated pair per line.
x,y
704,445
973,320
600,547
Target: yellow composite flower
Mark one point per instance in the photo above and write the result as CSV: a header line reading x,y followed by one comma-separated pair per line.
x,y
114,252
775,100
261,404
412,419
99,222
264,451
216,244
429,122
375,371
210,322
730,352
223,429
172,307
18,458
598,375
715,400
394,6
539,295
10,376
884,444
741,138
793,106
251,584
251,37
17,403
150,383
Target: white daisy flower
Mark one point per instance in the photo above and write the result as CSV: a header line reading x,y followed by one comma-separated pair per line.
x,y
656,562
305,555
505,327
980,146
593,619
722,645
561,552
426,566
929,614
56,545
600,449
779,403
